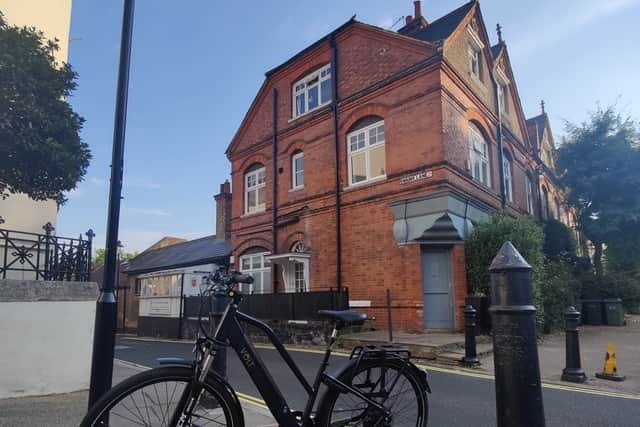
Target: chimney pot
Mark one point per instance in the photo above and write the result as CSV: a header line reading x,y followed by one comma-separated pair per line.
x,y
408,20
417,6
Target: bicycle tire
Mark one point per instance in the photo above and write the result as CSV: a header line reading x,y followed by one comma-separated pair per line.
x,y
228,406
363,415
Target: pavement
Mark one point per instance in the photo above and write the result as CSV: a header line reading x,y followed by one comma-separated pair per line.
x,y
448,349
67,410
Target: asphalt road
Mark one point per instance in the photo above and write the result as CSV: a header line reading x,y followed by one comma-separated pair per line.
x,y
457,400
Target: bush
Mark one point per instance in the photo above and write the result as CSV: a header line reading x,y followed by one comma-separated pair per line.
x,y
558,241
487,238
485,241
560,289
613,285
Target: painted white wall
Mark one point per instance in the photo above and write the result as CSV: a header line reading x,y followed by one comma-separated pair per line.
x,y
46,347
24,214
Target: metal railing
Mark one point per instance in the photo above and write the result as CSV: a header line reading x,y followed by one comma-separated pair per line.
x,y
32,256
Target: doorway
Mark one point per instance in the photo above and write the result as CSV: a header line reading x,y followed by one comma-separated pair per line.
x,y
437,288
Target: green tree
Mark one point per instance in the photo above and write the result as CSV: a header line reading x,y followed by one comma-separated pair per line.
x,y
41,153
599,165
559,243
98,258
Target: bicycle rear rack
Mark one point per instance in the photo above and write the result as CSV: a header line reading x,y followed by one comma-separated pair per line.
x,y
380,352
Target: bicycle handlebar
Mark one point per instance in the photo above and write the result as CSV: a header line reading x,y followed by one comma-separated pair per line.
x,y
228,278
241,278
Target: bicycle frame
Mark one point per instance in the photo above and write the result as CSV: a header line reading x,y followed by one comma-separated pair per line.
x,y
230,330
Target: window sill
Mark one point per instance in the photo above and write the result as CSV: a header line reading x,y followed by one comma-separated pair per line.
x,y
307,113
252,214
296,189
478,82
365,183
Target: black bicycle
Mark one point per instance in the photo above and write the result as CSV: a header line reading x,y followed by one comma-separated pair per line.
x,y
379,386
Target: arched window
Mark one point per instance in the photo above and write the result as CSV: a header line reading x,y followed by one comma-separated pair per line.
x,y
253,262
479,157
365,148
297,170
508,180
254,189
529,190
556,202
545,203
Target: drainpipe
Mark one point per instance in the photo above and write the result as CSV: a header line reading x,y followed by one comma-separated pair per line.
x,y
503,196
274,218
336,140
181,307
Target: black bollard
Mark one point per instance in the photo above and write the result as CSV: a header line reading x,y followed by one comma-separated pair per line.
x,y
470,355
573,371
220,302
515,351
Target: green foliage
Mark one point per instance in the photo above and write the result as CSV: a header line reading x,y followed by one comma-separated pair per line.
x,y
613,285
558,241
485,241
487,238
560,289
41,153
599,165
98,258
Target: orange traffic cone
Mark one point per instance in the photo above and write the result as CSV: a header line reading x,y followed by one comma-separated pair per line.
x,y
610,370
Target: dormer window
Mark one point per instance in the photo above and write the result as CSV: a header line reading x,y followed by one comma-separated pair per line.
x,y
503,87
474,52
474,62
312,92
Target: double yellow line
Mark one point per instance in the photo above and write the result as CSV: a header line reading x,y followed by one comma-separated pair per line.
x,y
480,375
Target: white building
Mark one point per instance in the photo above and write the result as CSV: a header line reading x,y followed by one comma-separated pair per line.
x,y
53,18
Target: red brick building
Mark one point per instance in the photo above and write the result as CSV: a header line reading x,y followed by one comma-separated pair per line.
x,y
365,160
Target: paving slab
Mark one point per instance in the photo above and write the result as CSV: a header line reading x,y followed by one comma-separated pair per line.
x,y
593,348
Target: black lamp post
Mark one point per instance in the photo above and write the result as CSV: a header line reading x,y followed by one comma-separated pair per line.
x,y
106,311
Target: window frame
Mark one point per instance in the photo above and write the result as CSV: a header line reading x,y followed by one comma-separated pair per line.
x,y
262,270
507,174
303,86
473,56
502,83
294,172
255,188
366,149
484,158
528,183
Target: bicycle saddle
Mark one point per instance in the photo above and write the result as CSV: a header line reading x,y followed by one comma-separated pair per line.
x,y
346,317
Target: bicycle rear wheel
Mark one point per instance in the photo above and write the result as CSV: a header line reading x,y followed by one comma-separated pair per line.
x,y
150,398
390,383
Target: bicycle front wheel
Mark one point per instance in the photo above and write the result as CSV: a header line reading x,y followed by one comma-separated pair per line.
x,y
151,398
390,383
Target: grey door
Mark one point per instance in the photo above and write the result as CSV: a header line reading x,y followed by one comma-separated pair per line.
x,y
437,287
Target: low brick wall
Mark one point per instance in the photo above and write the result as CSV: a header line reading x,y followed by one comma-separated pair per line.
x,y
46,334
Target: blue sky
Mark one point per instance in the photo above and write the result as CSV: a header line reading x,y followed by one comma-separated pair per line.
x,y
196,66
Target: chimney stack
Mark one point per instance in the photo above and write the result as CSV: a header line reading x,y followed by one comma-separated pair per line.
x,y
417,9
223,212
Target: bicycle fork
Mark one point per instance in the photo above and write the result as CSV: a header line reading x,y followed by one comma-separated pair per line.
x,y
191,393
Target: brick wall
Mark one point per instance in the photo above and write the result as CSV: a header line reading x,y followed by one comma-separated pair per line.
x,y
427,115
